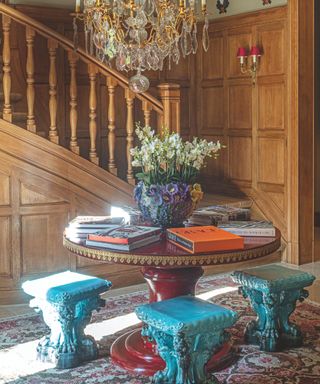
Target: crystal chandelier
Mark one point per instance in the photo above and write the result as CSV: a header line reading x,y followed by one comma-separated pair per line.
x,y
140,35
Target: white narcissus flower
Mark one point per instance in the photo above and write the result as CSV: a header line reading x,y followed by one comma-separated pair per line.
x,y
168,153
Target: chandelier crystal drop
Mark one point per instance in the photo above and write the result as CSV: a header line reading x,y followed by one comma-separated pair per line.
x,y
140,35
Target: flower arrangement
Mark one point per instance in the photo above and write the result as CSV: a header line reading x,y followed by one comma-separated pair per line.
x,y
167,193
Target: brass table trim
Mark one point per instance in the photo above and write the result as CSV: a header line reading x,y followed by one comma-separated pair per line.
x,y
108,256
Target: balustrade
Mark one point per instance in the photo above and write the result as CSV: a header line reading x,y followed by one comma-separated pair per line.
x,y
6,57
129,95
166,111
31,124
73,59
53,133
92,70
111,85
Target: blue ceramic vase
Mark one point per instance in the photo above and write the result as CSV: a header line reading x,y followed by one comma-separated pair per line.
x,y
166,205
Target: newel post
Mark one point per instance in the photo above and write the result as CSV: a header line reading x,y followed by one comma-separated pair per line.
x,y
170,97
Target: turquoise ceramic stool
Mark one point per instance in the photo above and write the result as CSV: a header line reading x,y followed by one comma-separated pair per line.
x,y
187,332
67,300
273,292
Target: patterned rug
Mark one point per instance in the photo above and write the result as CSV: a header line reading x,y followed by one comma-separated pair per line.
x,y
19,336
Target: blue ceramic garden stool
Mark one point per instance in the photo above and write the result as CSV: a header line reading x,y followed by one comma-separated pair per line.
x,y
67,300
187,332
273,292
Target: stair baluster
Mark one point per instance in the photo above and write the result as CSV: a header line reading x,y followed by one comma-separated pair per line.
x,y
31,124
111,85
130,96
73,59
92,70
6,56
53,133
147,108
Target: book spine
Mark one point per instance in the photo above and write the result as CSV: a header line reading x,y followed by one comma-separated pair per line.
x,y
180,241
268,232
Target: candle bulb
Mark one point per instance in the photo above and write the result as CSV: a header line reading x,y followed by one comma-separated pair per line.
x,y
192,4
204,3
78,6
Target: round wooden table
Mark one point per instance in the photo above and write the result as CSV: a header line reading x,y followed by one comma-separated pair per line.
x,y
169,272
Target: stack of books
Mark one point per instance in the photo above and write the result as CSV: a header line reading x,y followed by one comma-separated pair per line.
x,y
204,239
124,237
214,214
249,228
81,226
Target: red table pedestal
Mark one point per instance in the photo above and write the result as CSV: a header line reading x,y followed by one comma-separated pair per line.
x,y
134,352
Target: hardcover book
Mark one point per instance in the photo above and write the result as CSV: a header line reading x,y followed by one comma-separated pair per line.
x,y
204,239
125,234
124,247
95,221
214,214
249,228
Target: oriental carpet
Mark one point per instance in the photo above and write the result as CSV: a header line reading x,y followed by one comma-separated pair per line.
x,y
19,337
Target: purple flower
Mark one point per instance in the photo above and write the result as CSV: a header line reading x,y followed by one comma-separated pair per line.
x,y
172,188
168,198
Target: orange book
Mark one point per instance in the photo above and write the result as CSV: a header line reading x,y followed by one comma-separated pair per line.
x,y
204,239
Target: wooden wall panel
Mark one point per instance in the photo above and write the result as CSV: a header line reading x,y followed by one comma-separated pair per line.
x,y
271,38
240,158
271,160
240,106
4,189
213,109
5,247
272,106
41,251
212,66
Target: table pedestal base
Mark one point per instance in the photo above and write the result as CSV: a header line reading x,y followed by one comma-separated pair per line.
x,y
134,352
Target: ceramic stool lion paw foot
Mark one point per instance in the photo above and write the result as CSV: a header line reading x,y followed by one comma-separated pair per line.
x,y
273,292
67,301
187,332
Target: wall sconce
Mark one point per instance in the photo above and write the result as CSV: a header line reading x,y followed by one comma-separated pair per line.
x,y
251,67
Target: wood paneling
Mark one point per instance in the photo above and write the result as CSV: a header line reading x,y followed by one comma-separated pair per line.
x,y
213,109
271,103
37,200
4,189
240,106
251,120
271,37
5,246
41,252
212,66
240,163
271,161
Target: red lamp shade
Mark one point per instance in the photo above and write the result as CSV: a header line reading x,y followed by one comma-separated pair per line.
x,y
242,52
255,51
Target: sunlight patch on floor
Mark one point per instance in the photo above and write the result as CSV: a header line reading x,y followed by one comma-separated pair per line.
x,y
111,326
215,292
21,360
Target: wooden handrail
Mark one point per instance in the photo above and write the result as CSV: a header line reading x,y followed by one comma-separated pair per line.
x,y
67,44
